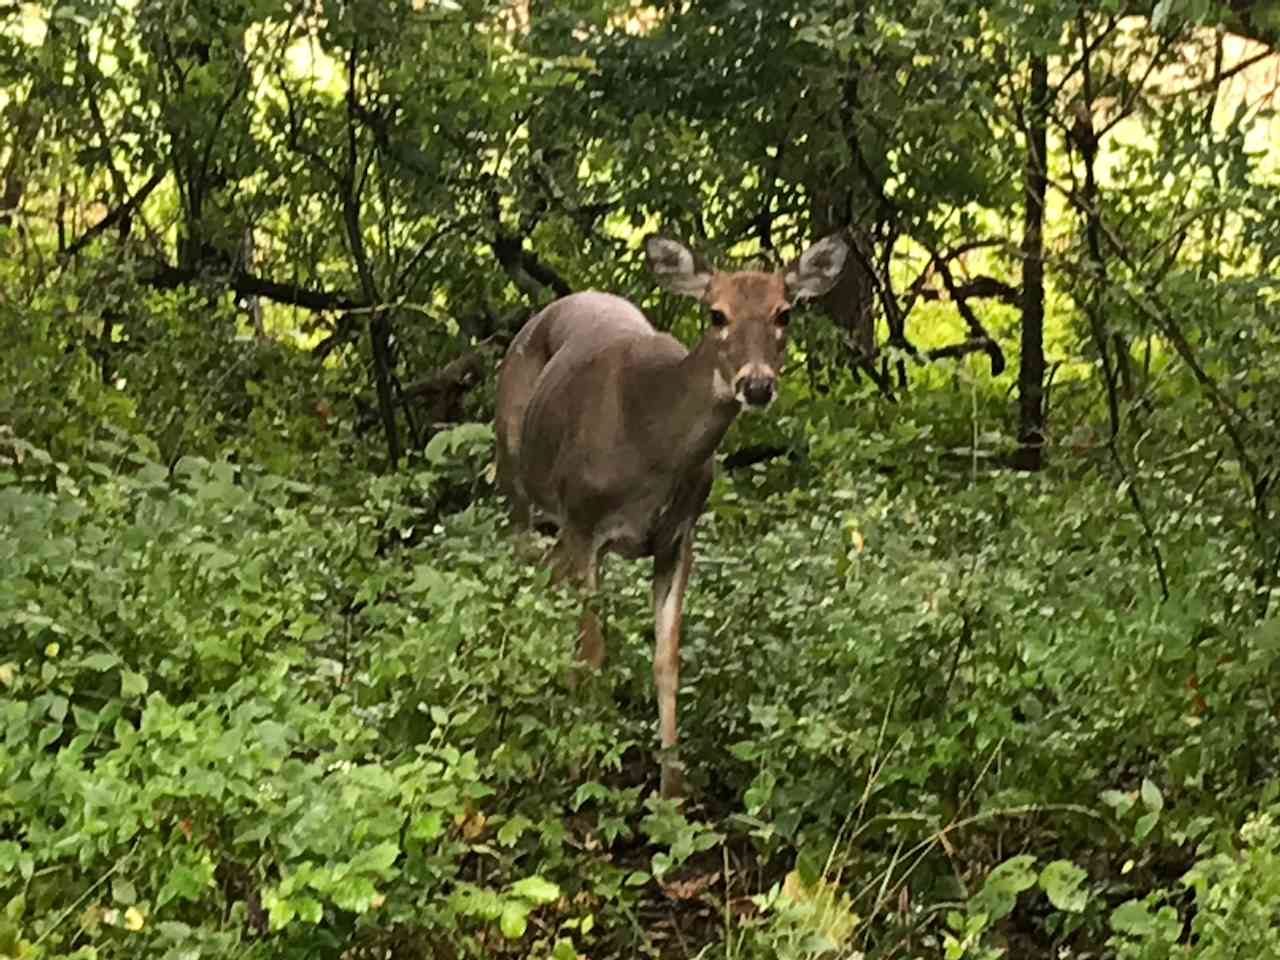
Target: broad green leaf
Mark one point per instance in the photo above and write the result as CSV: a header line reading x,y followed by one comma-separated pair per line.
x,y
281,910
1119,800
514,920
536,889
376,859
591,790
429,826
512,830
1062,880
1000,892
355,894
123,891
309,909
1144,825
1152,799
186,882
132,684
1132,917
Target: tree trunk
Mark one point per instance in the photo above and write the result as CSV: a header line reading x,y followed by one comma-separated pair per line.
x,y
1030,454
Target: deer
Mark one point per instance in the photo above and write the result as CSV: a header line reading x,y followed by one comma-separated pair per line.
x,y
606,430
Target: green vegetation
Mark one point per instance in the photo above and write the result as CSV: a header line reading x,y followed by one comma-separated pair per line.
x,y
982,648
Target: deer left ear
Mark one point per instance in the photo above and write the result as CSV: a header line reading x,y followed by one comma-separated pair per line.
x,y
818,268
675,267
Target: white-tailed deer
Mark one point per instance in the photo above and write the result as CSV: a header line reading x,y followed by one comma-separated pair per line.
x,y
607,429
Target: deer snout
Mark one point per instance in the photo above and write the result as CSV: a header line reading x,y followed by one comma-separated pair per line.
x,y
755,386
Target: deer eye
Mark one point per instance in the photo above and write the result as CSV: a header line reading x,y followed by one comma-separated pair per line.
x,y
783,318
718,318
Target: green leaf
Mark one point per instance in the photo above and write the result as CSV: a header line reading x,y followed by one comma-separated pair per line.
x,y
430,581
1146,823
1151,796
445,797
1132,917
186,882
1119,800
429,826
280,910
999,894
512,830
355,894
514,920
309,909
591,790
1061,880
536,889
100,661
376,859
152,474
132,684
58,708
123,892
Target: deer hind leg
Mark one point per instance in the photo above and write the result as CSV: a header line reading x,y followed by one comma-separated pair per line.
x,y
576,558
670,577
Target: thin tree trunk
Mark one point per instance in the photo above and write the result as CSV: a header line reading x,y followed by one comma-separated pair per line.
x,y
252,303
1030,455
380,319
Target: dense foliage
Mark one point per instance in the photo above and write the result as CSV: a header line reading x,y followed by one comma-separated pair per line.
x,y
982,647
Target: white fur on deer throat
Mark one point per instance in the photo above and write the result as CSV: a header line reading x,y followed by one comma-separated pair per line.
x,y
721,389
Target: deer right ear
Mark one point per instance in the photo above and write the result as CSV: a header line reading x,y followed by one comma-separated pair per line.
x,y
675,267
818,268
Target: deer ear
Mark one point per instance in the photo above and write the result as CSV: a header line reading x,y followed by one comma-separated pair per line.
x,y
818,268
675,267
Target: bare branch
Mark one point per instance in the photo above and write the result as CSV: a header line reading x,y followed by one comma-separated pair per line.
x,y
126,209
980,288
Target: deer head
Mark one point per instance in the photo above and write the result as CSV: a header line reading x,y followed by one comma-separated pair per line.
x,y
749,310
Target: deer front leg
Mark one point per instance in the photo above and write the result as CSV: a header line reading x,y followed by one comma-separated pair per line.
x,y
670,577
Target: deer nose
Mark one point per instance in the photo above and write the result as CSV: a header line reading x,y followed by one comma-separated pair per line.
x,y
756,390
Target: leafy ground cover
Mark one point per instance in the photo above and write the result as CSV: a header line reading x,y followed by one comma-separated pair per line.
x,y
929,710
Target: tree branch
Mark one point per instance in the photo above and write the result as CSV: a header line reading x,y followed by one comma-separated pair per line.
x,y
530,275
978,288
164,276
977,332
115,216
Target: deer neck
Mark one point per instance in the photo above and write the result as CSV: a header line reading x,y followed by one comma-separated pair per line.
x,y
695,405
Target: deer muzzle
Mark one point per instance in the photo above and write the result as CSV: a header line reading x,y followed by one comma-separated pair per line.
x,y
755,387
